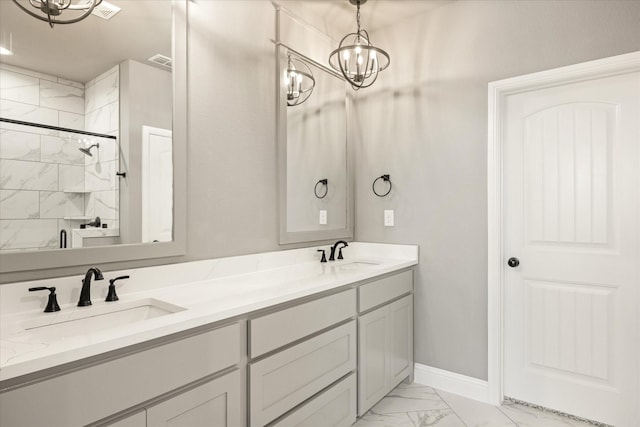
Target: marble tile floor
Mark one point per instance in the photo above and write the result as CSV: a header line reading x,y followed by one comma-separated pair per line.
x,y
416,405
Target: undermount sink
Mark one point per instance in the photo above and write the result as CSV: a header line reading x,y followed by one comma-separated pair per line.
x,y
84,320
356,265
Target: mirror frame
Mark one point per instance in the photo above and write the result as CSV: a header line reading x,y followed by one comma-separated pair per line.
x,y
55,258
287,237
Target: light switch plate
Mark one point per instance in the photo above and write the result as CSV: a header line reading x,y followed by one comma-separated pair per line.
x,y
388,218
323,217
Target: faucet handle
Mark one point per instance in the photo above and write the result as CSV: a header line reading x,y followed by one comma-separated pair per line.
x,y
52,304
324,257
111,295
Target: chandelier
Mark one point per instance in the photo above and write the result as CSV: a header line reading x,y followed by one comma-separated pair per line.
x,y
299,81
51,10
356,58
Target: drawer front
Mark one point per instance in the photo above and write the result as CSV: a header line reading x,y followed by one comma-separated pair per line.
x,y
275,330
280,382
335,407
376,293
144,375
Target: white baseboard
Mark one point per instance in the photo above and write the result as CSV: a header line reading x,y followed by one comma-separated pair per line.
x,y
451,382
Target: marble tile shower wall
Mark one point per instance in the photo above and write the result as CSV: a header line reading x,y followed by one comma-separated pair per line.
x,y
102,115
43,175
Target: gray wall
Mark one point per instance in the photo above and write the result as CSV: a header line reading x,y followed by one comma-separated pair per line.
x,y
425,123
232,206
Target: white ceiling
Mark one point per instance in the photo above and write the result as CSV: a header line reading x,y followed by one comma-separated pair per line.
x,y
83,50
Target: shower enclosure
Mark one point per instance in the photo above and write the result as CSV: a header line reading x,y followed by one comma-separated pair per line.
x,y
54,183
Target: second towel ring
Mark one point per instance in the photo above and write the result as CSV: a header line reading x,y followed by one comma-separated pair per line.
x,y
385,178
324,182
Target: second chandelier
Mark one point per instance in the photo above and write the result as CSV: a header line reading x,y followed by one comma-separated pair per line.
x,y
357,58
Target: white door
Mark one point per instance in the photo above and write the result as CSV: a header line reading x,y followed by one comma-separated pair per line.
x,y
157,185
572,184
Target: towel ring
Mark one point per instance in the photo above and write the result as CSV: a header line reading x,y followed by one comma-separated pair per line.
x,y
324,182
385,178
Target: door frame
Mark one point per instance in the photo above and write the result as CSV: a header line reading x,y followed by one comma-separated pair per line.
x,y
498,91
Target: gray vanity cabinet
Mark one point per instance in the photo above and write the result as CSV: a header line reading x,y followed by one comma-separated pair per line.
x,y
94,394
385,337
318,362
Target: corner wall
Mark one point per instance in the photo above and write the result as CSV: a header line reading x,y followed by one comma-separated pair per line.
x,y
425,123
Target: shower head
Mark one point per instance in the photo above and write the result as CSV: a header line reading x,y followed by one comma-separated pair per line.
x,y
87,151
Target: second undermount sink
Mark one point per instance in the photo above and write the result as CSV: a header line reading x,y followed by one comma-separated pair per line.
x,y
102,316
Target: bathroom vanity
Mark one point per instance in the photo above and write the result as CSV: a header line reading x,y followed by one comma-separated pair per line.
x,y
270,339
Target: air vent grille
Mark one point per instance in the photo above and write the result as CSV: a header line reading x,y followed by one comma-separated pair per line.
x,y
165,61
105,10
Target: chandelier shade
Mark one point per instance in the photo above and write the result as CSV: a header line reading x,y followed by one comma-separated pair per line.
x,y
357,58
299,81
52,11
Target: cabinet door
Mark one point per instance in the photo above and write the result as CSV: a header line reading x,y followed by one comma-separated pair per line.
x,y
215,403
401,340
373,346
139,419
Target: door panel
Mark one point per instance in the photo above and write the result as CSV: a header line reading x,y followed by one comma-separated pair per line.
x,y
568,174
215,403
401,336
572,184
373,351
568,330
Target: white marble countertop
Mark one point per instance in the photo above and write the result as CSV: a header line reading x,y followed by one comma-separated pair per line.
x,y
224,294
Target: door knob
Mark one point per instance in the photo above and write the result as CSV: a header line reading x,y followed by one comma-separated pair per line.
x,y
513,262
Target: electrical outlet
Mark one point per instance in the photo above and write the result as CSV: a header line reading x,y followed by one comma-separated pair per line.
x,y
388,218
323,217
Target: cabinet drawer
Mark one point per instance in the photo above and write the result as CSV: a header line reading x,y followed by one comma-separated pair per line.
x,y
275,330
335,407
280,382
123,382
376,293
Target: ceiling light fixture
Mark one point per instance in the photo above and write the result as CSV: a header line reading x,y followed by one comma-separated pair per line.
x,y
359,62
51,10
299,81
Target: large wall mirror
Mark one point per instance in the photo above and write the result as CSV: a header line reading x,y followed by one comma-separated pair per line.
x,y
315,174
93,136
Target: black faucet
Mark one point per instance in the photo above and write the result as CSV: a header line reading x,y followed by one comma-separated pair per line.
x,y
85,293
332,255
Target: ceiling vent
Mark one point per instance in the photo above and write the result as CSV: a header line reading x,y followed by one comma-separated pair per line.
x,y
105,10
165,61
